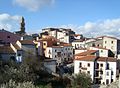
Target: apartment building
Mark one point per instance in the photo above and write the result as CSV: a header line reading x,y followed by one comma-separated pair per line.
x,y
61,53
103,70
64,35
107,42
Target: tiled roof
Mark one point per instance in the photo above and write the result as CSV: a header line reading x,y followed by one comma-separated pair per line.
x,y
6,49
64,44
109,59
88,52
86,58
27,42
92,58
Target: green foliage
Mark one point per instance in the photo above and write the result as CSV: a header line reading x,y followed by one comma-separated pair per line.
x,y
13,84
81,80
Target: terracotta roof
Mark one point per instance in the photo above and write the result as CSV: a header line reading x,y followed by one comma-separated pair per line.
x,y
27,42
6,50
86,58
88,52
64,44
110,59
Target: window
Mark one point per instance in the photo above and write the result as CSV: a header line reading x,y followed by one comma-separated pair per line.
x,y
55,50
101,65
112,42
111,72
105,42
107,73
8,36
101,72
88,72
101,51
49,52
111,80
107,81
88,64
80,65
55,56
44,43
98,45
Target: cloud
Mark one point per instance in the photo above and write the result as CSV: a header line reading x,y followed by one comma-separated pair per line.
x,y
9,22
33,5
109,27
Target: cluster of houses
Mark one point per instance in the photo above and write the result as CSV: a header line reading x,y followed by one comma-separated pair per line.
x,y
98,57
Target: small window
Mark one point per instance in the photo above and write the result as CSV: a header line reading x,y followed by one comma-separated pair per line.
x,y
111,80
101,72
112,42
88,72
101,65
88,64
101,51
111,72
107,73
80,65
105,42
55,56
44,43
98,45
8,36
55,50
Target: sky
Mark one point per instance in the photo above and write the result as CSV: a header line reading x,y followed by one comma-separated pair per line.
x,y
88,17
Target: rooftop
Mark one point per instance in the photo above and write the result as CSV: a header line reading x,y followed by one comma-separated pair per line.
x,y
6,50
86,58
27,42
109,59
88,52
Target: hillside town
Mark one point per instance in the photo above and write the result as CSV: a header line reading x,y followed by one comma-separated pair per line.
x,y
65,51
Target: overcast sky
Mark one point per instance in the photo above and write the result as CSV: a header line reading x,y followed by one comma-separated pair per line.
x,y
87,17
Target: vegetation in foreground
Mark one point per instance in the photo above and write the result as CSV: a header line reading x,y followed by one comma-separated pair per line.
x,y
31,74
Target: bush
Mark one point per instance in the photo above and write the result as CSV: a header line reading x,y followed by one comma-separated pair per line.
x,y
13,84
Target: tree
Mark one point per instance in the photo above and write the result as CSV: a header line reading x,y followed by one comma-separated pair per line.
x,y
81,80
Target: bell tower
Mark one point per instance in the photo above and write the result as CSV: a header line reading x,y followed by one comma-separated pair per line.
x,y
22,25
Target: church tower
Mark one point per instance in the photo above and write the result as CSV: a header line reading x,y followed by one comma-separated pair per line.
x,y
22,25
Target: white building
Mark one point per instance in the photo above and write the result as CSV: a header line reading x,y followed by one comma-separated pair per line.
x,y
103,70
78,44
61,53
64,35
103,52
